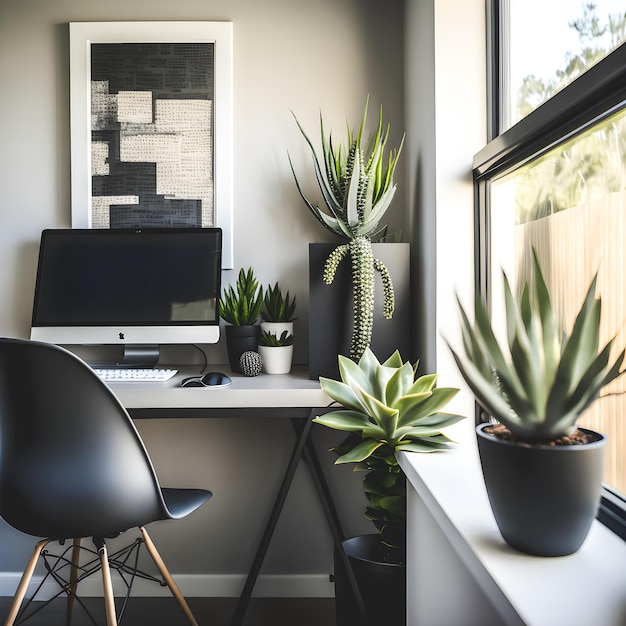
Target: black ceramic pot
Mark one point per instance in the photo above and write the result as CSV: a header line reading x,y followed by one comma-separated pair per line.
x,y
240,339
381,580
544,498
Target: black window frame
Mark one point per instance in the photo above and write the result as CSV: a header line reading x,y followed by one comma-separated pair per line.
x,y
592,97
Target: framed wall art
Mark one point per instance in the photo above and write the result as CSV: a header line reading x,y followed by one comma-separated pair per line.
x,y
151,126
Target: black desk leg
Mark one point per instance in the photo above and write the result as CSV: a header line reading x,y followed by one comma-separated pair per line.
x,y
253,574
332,518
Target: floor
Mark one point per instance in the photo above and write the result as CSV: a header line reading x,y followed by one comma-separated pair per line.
x,y
208,612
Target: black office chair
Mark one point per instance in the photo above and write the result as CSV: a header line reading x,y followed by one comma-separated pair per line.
x,y
72,465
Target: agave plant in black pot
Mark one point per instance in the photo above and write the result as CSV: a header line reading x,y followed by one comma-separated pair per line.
x,y
240,307
385,407
543,474
356,180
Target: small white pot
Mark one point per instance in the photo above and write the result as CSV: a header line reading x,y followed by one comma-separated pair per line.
x,y
276,359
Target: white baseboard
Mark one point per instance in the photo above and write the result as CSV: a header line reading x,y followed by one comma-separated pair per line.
x,y
192,586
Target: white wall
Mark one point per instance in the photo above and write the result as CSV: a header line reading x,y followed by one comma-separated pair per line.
x,y
445,89
288,55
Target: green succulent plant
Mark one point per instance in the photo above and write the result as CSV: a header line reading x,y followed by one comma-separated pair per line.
x,y
356,182
542,380
270,340
241,306
276,307
386,408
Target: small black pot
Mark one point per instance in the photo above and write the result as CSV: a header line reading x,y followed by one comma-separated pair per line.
x,y
381,581
240,339
544,498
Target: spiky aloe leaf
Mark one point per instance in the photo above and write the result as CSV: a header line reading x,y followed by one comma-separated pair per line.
x,y
537,386
356,185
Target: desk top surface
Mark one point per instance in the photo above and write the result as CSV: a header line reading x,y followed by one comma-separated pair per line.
x,y
266,390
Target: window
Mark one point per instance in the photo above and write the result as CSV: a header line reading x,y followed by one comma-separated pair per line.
x,y
550,44
556,179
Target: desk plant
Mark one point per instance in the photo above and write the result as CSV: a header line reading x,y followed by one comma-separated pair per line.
x,y
356,182
537,386
277,307
240,306
276,352
386,408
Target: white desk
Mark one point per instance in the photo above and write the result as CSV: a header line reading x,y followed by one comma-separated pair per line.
x,y
265,391
292,396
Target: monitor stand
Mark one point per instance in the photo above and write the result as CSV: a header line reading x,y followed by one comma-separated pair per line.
x,y
139,355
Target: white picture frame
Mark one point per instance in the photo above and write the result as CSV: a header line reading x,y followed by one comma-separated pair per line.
x,y
218,209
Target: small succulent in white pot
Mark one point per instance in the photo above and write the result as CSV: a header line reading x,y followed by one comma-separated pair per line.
x,y
277,311
276,352
357,186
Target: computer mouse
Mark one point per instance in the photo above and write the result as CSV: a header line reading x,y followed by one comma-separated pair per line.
x,y
216,379
210,379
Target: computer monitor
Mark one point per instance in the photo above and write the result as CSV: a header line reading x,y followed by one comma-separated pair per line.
x,y
139,288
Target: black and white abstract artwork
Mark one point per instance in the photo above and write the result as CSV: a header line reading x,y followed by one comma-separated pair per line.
x,y
152,130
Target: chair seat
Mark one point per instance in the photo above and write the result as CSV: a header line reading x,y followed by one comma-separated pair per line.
x,y
182,502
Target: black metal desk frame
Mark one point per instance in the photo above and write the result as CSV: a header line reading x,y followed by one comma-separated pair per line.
x,y
302,422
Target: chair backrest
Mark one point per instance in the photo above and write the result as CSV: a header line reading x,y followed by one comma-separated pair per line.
x,y
71,461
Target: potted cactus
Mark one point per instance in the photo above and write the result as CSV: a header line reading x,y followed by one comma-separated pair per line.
x,y
543,474
240,307
385,407
357,186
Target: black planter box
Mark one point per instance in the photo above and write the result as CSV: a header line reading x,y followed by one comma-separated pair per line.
x,y
330,308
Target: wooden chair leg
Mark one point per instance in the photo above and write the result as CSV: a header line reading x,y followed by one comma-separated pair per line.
x,y
73,586
109,600
24,582
156,557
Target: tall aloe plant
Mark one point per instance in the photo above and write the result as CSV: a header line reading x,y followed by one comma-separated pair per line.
x,y
540,382
386,408
356,182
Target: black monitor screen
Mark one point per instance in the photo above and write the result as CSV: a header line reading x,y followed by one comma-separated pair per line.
x,y
161,277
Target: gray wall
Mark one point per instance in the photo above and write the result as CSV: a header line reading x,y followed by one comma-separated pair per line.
x,y
422,59
288,55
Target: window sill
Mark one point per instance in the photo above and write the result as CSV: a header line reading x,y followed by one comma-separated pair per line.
x,y
584,588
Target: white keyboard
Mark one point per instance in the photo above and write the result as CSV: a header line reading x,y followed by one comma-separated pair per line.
x,y
134,375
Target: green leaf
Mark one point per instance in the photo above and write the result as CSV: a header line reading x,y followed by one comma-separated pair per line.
x,y
361,452
418,406
422,384
350,201
341,393
351,421
386,417
353,375
421,446
434,422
